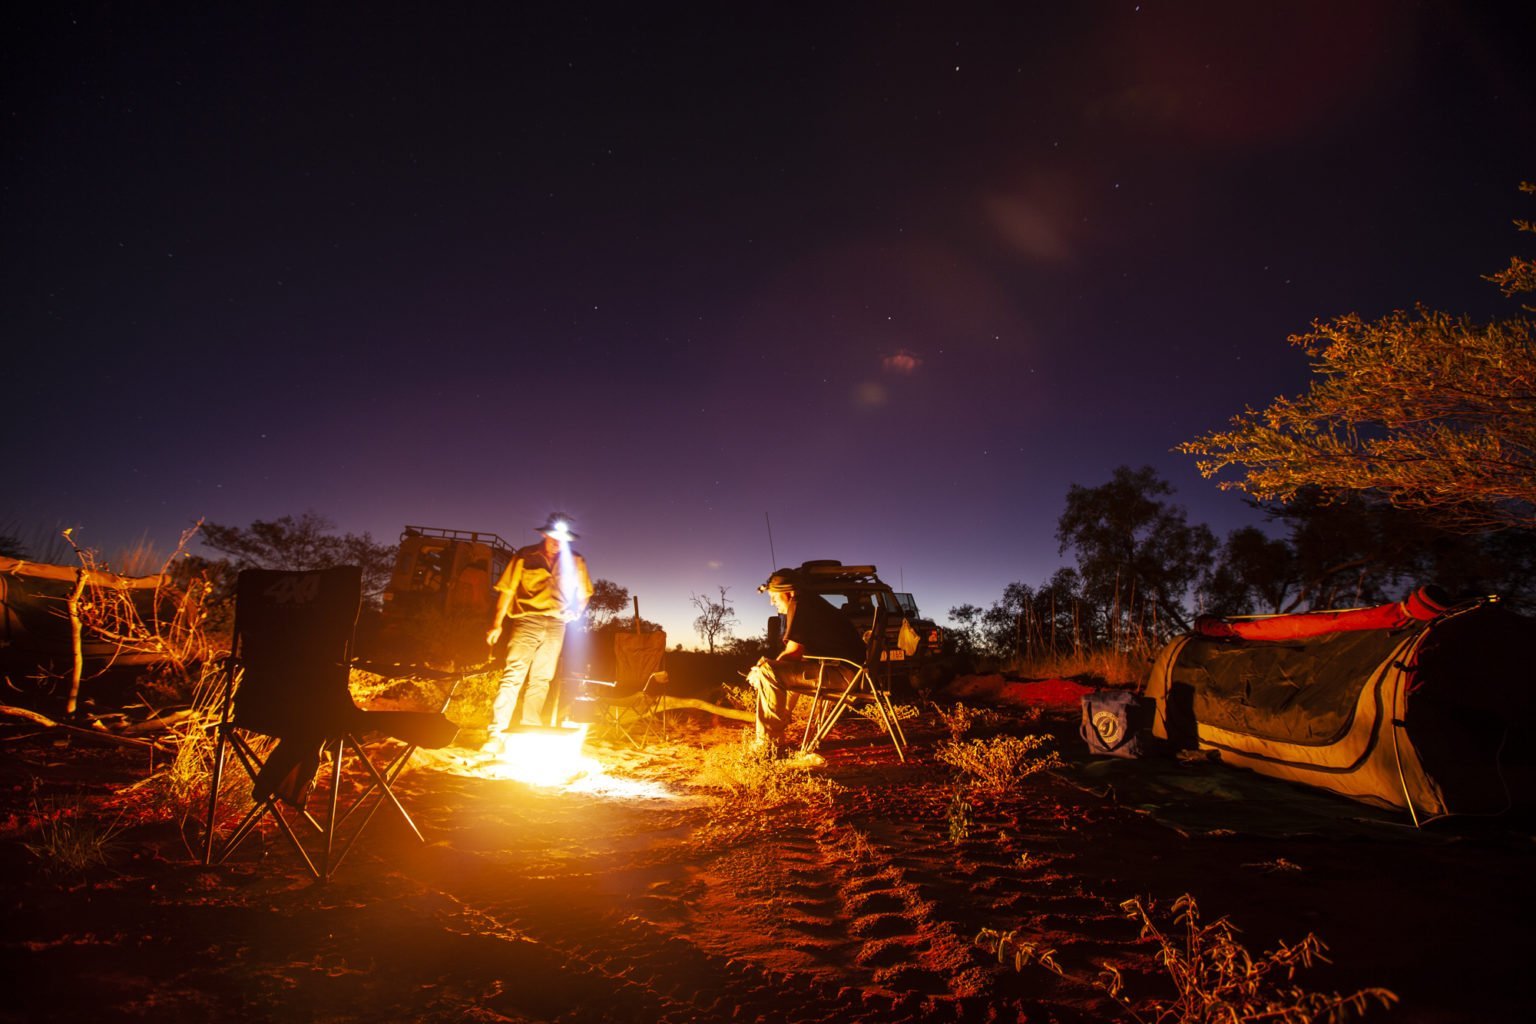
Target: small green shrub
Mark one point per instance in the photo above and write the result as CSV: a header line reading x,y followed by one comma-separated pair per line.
x,y
995,766
963,721
1216,980
961,821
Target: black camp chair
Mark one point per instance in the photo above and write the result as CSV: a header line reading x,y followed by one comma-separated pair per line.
x,y
633,705
841,684
287,680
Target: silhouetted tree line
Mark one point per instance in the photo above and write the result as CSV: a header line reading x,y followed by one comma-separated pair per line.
x,y
1143,571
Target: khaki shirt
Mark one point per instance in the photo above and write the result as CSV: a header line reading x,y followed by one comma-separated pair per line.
x,y
539,588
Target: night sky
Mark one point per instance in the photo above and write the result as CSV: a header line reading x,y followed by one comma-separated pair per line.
x,y
889,277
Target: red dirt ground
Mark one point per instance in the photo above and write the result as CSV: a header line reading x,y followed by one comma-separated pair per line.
x,y
670,902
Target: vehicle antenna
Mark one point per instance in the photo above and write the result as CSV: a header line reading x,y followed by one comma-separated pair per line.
x,y
772,558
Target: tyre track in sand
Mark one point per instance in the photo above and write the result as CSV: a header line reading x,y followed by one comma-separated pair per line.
x,y
579,913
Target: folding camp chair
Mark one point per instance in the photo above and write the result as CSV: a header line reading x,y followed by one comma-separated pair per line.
x,y
841,684
634,706
287,680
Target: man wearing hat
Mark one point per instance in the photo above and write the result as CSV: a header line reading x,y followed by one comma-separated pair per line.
x,y
544,587
812,628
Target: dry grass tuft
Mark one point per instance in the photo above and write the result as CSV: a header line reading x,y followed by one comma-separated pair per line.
x,y
1108,666
472,700
757,779
71,836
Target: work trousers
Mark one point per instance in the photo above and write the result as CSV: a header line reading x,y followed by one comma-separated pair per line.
x,y
533,653
778,685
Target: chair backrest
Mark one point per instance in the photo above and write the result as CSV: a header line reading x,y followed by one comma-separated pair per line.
x,y
292,643
636,657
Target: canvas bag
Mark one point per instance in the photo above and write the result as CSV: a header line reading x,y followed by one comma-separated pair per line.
x,y
1116,723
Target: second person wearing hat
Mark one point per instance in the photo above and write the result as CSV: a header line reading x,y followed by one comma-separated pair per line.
x,y
813,628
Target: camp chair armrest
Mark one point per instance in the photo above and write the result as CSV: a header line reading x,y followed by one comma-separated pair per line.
x,y
827,659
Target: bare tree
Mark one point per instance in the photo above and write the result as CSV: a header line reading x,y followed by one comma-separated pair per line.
x,y
716,620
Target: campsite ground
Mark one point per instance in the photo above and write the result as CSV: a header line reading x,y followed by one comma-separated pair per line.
x,y
641,894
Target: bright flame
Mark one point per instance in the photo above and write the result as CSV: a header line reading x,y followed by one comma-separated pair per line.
x,y
544,758
555,760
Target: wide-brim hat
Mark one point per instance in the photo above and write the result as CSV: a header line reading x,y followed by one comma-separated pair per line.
x,y
558,527
779,582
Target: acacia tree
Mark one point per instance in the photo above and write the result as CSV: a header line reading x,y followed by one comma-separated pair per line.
x,y
716,619
965,631
1253,573
608,602
1137,556
1433,412
1002,625
307,542
606,612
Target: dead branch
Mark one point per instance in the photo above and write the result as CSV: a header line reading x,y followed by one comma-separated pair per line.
x,y
100,734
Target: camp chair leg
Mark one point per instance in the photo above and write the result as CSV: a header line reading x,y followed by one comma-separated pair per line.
x,y
892,724
806,743
380,785
247,823
825,712
213,795
655,721
253,818
331,805
390,773
626,719
227,742
825,719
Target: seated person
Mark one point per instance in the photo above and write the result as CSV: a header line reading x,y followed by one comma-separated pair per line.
x,y
813,628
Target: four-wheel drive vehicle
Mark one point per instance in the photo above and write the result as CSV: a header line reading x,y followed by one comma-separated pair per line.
x,y
857,590
441,595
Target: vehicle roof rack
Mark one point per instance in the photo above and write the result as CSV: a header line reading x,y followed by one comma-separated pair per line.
x,y
473,536
830,569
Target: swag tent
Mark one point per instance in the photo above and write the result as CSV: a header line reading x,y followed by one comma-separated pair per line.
x,y
1413,705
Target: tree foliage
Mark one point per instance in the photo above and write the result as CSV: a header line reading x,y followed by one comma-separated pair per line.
x,y
965,630
1433,412
307,542
1253,573
1137,555
1052,618
1360,549
609,601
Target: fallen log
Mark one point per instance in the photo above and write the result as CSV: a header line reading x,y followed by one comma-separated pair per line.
x,y
100,734
673,703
